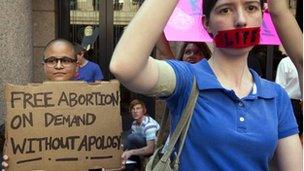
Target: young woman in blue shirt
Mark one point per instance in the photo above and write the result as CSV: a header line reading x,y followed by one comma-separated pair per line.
x,y
240,121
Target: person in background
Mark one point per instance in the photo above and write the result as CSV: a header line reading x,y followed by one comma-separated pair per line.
x,y
59,60
87,71
257,60
141,140
287,77
191,52
59,64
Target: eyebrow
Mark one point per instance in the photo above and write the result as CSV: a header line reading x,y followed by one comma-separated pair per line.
x,y
253,2
232,3
60,57
223,5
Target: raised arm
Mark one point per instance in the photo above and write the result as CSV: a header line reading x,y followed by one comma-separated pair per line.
x,y
164,48
289,33
130,62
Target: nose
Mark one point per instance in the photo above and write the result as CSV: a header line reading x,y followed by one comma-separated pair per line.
x,y
240,19
58,65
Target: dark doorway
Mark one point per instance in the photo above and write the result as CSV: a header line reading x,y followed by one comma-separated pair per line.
x,y
111,17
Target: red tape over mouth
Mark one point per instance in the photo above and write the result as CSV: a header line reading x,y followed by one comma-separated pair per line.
x,y
238,38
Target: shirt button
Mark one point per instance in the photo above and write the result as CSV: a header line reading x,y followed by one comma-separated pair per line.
x,y
241,104
242,119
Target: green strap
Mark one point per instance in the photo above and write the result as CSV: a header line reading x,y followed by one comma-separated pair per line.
x,y
184,134
182,124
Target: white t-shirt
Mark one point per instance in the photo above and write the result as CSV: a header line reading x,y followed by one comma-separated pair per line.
x,y
287,77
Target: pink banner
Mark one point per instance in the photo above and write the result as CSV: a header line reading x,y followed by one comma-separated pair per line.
x,y
185,24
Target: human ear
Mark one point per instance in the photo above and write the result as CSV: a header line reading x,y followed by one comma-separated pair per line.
x,y
205,23
145,110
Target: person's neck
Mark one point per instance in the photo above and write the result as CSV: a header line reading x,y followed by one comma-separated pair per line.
x,y
232,71
83,62
140,120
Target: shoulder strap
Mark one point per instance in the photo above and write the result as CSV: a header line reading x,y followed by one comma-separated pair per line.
x,y
160,136
182,124
183,137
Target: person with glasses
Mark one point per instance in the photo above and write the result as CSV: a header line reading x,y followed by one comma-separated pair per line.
x,y
59,60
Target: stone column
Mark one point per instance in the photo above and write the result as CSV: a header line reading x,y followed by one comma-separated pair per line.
x,y
16,49
44,30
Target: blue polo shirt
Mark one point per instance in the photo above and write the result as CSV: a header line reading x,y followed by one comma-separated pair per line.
x,y
228,133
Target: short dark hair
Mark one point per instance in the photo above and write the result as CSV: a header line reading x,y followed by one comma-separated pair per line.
x,y
60,40
79,48
208,5
136,102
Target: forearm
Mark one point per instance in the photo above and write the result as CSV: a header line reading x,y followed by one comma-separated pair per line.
x,y
291,36
130,58
142,151
288,30
289,33
164,48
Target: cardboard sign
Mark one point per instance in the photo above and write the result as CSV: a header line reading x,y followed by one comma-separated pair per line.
x,y
185,24
70,126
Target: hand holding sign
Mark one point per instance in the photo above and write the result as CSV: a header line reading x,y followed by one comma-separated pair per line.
x,y
67,128
4,163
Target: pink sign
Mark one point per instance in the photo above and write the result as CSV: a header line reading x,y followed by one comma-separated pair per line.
x,y
185,24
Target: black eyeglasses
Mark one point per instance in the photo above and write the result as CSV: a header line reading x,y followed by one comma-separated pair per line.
x,y
64,61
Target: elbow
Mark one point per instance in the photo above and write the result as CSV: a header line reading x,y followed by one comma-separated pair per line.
x,y
114,68
117,69
301,61
298,61
150,150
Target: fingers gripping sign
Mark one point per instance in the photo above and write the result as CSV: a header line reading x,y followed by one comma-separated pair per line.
x,y
4,163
